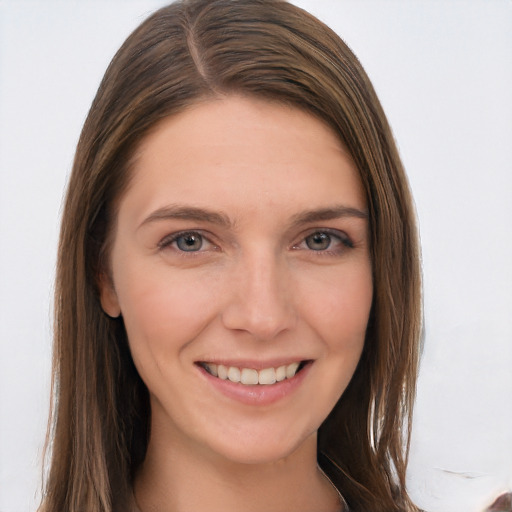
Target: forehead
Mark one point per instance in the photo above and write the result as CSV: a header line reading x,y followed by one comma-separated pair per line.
x,y
243,152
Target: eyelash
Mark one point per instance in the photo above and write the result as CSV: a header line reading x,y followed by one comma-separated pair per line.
x,y
332,236
174,237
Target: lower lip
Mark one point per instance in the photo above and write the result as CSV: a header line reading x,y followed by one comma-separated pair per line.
x,y
259,394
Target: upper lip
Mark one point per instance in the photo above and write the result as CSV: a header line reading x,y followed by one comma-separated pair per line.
x,y
254,364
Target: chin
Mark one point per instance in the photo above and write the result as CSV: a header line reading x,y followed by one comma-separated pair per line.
x,y
263,449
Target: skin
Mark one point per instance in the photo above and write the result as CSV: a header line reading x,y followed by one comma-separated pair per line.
x,y
279,271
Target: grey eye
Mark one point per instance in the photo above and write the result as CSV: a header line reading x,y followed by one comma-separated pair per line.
x,y
318,241
189,242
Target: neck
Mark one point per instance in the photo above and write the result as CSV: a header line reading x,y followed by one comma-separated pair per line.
x,y
179,478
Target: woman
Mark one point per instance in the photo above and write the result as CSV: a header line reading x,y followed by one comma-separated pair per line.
x,y
238,286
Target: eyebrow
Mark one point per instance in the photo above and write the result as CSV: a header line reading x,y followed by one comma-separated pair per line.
x,y
204,215
331,213
187,213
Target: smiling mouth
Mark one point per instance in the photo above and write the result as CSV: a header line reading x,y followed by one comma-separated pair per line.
x,y
252,377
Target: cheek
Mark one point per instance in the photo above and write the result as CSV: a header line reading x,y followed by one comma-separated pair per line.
x,y
340,308
163,311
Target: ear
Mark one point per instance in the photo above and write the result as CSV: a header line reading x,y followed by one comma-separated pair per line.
x,y
108,296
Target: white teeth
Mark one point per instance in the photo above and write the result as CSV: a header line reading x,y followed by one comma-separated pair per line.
x,y
233,374
281,373
222,372
212,369
291,370
267,376
251,377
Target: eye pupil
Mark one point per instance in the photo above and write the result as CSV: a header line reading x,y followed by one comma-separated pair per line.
x,y
318,241
190,242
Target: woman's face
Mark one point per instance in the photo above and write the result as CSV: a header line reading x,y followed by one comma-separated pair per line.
x,y
241,253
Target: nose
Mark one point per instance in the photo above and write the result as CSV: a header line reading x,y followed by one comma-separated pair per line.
x,y
259,300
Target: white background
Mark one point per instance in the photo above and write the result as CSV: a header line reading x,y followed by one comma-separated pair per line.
x,y
443,71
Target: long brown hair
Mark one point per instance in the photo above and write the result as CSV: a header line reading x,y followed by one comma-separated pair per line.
x,y
186,52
